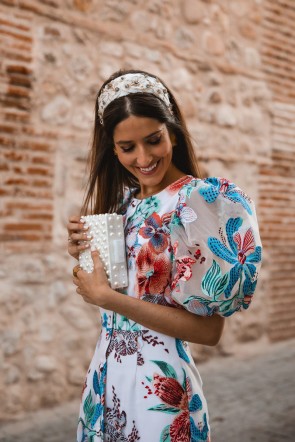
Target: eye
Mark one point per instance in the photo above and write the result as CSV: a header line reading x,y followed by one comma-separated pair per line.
x,y
154,141
127,149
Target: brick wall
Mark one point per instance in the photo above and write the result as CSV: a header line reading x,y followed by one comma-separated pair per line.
x,y
54,56
277,180
26,156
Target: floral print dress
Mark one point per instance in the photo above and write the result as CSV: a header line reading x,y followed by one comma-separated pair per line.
x,y
195,245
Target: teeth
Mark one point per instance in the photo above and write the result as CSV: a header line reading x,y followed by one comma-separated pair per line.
x,y
148,169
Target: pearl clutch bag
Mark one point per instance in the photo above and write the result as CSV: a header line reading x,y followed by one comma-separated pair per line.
x,y
108,238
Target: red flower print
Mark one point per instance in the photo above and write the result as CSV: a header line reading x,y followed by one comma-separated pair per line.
x,y
175,248
166,218
170,391
224,184
175,187
183,269
246,246
156,232
180,428
153,274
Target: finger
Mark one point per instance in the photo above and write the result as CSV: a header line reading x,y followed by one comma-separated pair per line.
x,y
82,236
75,219
76,271
76,227
76,281
96,259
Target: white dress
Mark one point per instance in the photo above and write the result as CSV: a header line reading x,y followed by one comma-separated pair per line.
x,y
194,245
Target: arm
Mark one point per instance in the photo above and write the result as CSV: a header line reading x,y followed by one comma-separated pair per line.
x,y
174,322
94,288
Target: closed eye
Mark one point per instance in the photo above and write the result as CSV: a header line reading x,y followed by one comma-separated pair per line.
x,y
127,149
155,141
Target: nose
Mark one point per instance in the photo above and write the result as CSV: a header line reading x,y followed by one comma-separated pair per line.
x,y
144,157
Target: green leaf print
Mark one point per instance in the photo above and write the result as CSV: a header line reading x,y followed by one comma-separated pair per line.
x,y
225,306
167,369
180,350
165,408
97,412
165,435
213,283
184,379
195,403
88,408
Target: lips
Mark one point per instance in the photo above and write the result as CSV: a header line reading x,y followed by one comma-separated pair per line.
x,y
148,170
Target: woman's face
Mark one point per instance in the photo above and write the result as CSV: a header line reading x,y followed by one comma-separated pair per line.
x,y
143,146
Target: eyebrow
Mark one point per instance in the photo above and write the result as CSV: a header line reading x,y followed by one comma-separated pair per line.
x,y
145,138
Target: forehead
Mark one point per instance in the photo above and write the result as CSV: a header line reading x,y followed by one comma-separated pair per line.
x,y
136,127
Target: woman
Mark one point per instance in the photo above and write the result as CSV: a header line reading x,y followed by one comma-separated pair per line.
x,y
193,252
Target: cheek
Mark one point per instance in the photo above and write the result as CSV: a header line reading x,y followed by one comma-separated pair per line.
x,y
125,162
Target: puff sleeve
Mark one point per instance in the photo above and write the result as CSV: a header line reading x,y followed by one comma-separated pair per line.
x,y
216,248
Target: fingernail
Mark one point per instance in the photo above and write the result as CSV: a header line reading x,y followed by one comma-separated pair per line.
x,y
85,227
86,246
82,221
88,236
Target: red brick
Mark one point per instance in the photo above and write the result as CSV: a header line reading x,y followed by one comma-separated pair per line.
x,y
17,91
20,80
41,160
15,156
29,206
14,25
5,141
18,103
17,182
38,171
20,36
19,54
36,145
20,237
18,69
16,116
22,226
4,192
18,170
8,128
4,167
41,183
39,216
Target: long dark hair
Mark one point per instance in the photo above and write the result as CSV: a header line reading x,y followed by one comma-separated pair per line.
x,y
107,176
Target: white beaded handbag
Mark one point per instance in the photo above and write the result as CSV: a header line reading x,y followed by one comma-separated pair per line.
x,y
108,238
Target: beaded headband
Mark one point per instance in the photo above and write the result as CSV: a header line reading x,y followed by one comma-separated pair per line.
x,y
131,84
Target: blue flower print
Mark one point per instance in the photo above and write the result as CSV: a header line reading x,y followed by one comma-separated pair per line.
x,y
242,254
215,186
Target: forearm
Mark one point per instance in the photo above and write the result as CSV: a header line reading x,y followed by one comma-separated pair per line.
x,y
173,322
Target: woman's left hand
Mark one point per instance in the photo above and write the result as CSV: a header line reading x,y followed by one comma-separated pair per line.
x,y
93,287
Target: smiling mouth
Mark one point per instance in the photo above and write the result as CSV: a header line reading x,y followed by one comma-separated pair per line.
x,y
148,169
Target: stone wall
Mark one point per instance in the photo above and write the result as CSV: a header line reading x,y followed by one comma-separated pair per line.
x,y
54,56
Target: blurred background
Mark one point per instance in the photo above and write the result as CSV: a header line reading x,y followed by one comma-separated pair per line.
x,y
230,64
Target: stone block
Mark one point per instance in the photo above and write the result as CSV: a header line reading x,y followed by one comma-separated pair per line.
x,y
45,364
12,374
225,115
212,43
76,317
193,11
57,111
10,341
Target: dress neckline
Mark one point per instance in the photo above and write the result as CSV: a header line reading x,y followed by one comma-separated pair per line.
x,y
176,184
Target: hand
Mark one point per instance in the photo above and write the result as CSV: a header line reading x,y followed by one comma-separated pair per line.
x,y
78,236
93,287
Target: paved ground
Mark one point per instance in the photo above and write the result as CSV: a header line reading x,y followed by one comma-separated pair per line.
x,y
251,398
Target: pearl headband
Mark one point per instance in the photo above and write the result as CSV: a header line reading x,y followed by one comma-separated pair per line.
x,y
131,84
